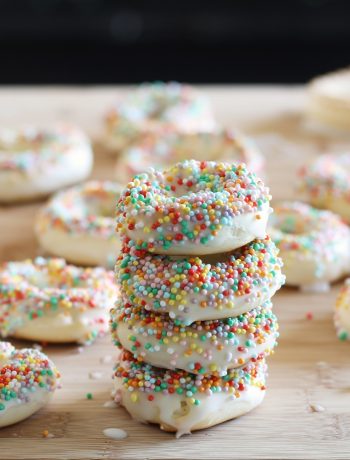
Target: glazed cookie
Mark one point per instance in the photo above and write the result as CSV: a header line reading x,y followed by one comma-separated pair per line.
x,y
314,245
183,402
162,151
157,108
329,100
78,224
27,381
200,288
326,183
195,208
35,162
203,347
342,312
50,301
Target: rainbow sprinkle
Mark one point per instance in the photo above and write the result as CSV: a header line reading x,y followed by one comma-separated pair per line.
x,y
23,372
308,233
152,333
190,201
30,149
138,377
164,283
327,177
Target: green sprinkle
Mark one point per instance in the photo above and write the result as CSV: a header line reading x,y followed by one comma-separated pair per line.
x,y
343,336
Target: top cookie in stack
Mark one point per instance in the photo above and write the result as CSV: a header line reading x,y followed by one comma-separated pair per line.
x,y
197,272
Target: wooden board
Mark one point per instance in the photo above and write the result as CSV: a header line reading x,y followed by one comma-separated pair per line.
x,y
310,366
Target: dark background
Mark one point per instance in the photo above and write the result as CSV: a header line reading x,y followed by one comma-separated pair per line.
x,y
217,41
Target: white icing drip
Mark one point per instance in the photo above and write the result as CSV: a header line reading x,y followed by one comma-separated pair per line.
x,y
115,433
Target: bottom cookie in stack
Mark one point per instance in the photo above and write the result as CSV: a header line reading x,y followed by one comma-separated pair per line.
x,y
182,402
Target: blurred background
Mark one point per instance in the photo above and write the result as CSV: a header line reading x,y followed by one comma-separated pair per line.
x,y
197,41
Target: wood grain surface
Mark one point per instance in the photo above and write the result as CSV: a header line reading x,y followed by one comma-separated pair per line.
x,y
310,367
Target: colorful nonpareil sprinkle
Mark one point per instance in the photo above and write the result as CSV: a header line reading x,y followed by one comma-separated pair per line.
x,y
203,347
190,201
138,377
23,372
327,177
33,289
165,283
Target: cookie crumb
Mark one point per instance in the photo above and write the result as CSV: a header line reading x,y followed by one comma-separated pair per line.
x,y
317,408
95,375
110,404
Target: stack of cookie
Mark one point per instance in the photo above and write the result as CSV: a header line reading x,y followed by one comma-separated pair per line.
x,y
197,273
